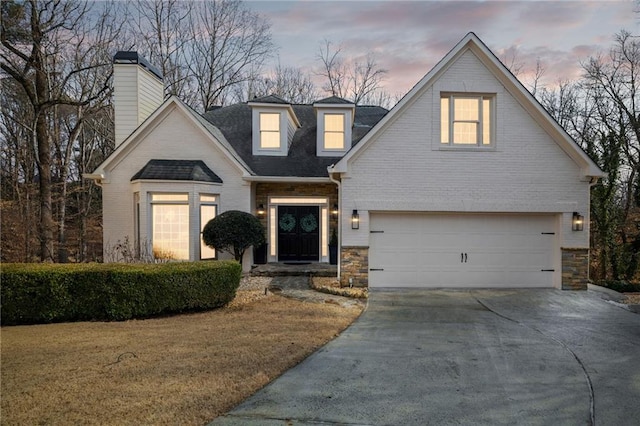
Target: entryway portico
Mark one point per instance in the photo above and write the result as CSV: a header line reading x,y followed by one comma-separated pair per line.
x,y
298,229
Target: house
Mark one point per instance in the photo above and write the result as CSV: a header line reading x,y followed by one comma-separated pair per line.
x,y
466,182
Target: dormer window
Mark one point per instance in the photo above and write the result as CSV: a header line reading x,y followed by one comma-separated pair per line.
x,y
335,119
273,125
269,130
334,131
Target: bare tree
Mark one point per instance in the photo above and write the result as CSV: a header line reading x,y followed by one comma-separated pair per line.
x,y
55,52
229,45
287,83
357,81
161,30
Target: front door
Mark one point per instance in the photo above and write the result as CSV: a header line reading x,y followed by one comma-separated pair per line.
x,y
298,233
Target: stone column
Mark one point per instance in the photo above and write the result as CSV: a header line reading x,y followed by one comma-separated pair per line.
x,y
575,268
355,266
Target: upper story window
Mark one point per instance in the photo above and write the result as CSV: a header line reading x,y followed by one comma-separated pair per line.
x,y
269,130
334,131
466,120
335,117
273,125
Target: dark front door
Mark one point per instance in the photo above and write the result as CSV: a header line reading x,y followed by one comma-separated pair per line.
x,y
298,233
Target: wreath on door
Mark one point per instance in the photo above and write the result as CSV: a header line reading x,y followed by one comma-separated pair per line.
x,y
309,223
287,222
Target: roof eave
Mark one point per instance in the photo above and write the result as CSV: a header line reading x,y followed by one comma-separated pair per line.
x,y
288,179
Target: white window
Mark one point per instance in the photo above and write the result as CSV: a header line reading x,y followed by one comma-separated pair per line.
x,y
466,120
208,211
170,226
334,131
269,130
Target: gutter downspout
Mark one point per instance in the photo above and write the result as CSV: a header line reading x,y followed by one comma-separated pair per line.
x,y
338,183
96,178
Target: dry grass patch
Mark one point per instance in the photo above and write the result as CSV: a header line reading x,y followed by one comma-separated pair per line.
x,y
185,369
632,298
332,286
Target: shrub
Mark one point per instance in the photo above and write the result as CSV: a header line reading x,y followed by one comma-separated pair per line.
x,y
43,293
233,231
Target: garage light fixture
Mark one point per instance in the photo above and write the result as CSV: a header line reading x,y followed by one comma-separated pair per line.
x,y
577,224
355,220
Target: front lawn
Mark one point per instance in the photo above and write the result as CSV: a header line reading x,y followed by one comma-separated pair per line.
x,y
185,369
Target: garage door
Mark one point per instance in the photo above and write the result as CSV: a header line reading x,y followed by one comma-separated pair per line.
x,y
460,250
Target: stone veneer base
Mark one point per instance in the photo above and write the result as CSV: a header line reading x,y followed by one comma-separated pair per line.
x,y
575,268
354,265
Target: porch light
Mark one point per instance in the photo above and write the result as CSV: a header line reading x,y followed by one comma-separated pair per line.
x,y
577,224
355,220
261,211
334,211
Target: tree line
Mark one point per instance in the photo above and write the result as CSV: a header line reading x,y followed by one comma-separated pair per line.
x,y
56,121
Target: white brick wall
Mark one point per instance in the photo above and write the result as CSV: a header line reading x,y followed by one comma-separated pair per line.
x,y
404,169
173,137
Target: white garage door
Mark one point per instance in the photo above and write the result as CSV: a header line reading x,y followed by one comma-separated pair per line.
x,y
460,250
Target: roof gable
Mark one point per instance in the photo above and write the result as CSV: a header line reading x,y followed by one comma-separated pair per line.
x,y
169,107
511,84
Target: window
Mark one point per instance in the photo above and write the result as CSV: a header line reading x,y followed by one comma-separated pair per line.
x,y
334,131
269,130
170,226
466,120
208,210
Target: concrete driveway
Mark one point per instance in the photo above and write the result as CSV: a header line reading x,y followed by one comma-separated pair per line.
x,y
442,357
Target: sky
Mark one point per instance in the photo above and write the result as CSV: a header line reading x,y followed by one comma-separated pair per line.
x,y
409,37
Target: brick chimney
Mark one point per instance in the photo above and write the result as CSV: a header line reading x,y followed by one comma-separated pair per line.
x,y
138,92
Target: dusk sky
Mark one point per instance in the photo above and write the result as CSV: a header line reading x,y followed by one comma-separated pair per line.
x,y
409,37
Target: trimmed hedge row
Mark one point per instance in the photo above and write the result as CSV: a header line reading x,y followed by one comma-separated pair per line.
x,y
44,293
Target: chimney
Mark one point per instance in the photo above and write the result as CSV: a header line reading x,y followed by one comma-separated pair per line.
x,y
138,90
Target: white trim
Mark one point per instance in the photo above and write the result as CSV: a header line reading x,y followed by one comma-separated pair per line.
x,y
287,179
272,215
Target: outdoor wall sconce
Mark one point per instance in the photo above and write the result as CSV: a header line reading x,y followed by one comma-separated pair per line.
x,y
577,224
261,211
355,220
334,211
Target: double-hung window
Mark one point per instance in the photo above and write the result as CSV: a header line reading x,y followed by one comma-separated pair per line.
x,y
208,211
334,131
466,120
269,130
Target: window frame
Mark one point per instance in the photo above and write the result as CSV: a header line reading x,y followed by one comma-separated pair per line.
x,y
206,200
481,121
322,111
278,132
164,199
342,131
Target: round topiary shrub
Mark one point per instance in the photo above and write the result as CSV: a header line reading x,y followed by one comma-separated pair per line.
x,y
233,231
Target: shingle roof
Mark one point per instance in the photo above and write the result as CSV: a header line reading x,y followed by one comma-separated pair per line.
x,y
194,170
333,100
234,122
270,99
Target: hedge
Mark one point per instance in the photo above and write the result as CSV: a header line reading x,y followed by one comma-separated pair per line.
x,y
44,293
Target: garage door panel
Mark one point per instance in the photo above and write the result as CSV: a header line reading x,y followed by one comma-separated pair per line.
x,y
457,250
